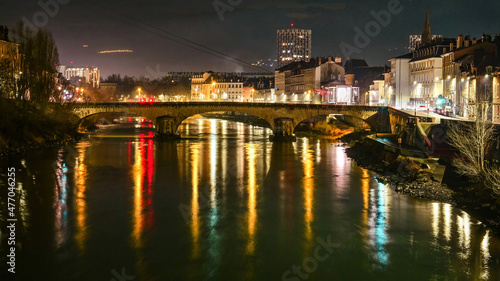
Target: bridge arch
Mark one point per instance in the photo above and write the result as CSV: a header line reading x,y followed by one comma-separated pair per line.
x,y
348,120
179,111
181,117
91,118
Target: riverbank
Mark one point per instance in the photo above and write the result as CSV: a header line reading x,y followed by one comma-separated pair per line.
x,y
412,178
330,130
25,126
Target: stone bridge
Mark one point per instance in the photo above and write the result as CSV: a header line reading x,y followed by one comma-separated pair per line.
x,y
282,118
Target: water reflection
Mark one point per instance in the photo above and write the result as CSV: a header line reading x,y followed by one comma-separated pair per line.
x,y
308,183
464,235
60,202
81,174
252,196
142,173
455,230
253,210
213,202
365,189
195,207
378,223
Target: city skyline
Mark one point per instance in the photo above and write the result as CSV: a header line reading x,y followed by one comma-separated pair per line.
x,y
232,31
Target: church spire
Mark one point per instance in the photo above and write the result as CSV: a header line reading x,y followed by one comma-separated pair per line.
x,y
426,34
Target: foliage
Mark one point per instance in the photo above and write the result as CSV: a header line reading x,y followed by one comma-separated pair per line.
x,y
474,140
38,61
8,72
25,126
127,85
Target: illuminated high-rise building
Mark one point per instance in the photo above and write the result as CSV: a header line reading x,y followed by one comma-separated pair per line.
x,y
293,44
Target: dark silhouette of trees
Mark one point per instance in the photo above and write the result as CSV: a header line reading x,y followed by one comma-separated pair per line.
x,y
38,65
9,71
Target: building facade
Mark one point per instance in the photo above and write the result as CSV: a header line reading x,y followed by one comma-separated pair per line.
x,y
400,81
305,82
343,94
496,96
415,41
81,75
426,75
10,63
293,44
467,69
211,86
380,91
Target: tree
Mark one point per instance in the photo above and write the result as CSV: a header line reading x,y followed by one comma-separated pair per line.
x,y
474,140
38,60
9,71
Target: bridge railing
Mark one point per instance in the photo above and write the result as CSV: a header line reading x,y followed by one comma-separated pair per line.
x,y
338,107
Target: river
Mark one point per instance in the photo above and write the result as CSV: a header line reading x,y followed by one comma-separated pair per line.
x,y
224,203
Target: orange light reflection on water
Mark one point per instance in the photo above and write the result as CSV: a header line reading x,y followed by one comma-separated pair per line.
x,y
195,208
252,197
308,185
81,175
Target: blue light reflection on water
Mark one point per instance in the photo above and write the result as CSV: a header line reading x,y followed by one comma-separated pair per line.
x,y
263,209
381,225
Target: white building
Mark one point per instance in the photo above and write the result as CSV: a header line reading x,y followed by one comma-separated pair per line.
x,y
211,86
89,75
426,75
400,81
343,94
380,92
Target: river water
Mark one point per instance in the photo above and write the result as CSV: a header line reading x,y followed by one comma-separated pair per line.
x,y
224,203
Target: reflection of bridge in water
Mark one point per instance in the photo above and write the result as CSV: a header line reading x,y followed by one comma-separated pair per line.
x,y
282,118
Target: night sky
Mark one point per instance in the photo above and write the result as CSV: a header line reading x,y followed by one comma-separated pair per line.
x,y
247,33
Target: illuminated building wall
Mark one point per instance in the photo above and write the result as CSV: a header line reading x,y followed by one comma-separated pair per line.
x,y
416,40
343,94
210,86
293,44
496,98
91,75
400,81
426,72
301,82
